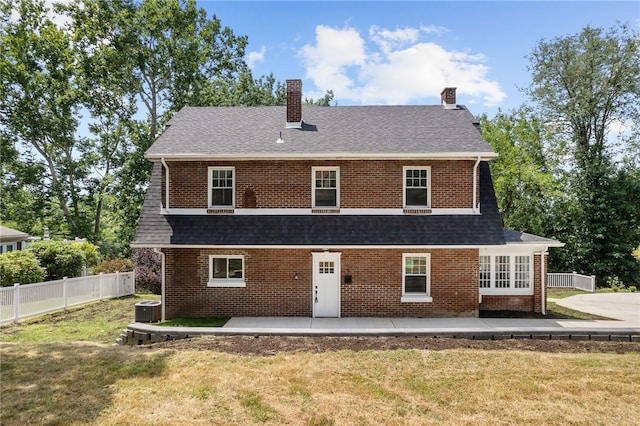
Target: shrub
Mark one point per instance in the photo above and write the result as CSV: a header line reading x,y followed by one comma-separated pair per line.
x,y
91,253
20,266
59,258
147,271
109,266
633,288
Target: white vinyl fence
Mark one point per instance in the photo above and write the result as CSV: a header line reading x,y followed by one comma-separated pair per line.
x,y
22,301
571,280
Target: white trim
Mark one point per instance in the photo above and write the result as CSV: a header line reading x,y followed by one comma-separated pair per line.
x,y
237,156
417,297
210,169
310,211
226,283
319,246
404,187
315,169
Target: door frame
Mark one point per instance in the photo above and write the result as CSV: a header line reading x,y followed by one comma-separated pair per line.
x,y
331,256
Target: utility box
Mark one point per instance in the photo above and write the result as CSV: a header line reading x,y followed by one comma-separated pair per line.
x,y
148,311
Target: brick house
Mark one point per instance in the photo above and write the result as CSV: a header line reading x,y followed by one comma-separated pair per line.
x,y
356,211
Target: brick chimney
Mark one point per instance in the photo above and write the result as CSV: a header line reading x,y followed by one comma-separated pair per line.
x,y
294,104
448,97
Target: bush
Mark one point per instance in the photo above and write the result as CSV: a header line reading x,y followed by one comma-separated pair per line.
x,y
59,258
148,267
633,288
20,266
109,266
91,253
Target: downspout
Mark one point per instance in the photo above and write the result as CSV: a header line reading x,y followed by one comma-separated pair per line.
x,y
166,179
543,301
475,185
162,284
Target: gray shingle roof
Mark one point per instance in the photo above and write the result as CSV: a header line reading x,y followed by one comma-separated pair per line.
x,y
518,237
328,131
456,230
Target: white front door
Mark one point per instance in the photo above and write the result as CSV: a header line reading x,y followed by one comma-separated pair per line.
x,y
326,284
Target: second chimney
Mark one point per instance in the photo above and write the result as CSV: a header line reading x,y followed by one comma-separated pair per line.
x,y
448,96
294,104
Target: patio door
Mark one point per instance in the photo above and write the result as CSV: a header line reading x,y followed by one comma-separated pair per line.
x,y
326,284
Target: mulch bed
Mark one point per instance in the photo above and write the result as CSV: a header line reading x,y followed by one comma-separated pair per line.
x,y
273,345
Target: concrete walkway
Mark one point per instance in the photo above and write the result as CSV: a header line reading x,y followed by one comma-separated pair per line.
x,y
624,306
621,306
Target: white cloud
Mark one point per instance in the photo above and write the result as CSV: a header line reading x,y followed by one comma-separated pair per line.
x,y
394,67
254,57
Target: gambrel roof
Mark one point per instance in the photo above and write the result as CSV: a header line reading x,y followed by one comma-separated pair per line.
x,y
327,132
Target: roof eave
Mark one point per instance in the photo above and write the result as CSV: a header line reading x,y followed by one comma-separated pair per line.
x,y
323,156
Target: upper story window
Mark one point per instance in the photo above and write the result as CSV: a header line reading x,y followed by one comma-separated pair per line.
x,y
221,187
417,187
326,187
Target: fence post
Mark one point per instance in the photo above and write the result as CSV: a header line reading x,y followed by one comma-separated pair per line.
x,y
117,284
100,284
16,301
574,276
593,283
64,291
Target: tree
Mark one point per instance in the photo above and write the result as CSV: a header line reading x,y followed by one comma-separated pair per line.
x,y
39,101
524,174
584,84
323,101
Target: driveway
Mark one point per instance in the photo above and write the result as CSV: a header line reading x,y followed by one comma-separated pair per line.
x,y
621,306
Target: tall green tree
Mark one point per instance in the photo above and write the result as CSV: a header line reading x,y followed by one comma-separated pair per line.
x,y
584,85
39,102
525,172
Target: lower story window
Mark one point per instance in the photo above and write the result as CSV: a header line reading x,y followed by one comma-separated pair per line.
x,y
226,271
505,274
415,277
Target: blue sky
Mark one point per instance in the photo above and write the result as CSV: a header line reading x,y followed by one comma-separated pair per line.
x,y
405,52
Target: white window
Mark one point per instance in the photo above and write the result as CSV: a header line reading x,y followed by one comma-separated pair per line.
x,y
221,187
326,187
505,274
226,271
416,269
417,187
485,271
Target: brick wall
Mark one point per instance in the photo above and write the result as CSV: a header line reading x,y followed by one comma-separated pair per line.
x,y
272,290
287,184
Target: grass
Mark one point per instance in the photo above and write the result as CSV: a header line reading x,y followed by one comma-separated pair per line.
x,y
99,322
57,369
74,383
561,293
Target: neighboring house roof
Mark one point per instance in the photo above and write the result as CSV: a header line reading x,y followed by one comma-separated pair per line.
x,y
328,132
155,229
8,235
